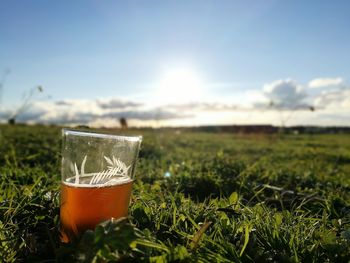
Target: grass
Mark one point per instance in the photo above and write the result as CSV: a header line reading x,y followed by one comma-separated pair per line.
x,y
204,197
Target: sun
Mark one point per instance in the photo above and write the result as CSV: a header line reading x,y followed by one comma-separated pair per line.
x,y
179,85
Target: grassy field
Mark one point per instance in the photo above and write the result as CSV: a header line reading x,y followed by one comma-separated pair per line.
x,y
203,197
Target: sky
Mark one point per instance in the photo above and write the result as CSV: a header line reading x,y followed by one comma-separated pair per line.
x,y
175,63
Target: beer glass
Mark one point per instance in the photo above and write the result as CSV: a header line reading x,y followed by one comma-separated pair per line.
x,y
96,179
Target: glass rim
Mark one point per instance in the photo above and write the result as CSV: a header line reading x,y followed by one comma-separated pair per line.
x,y
76,132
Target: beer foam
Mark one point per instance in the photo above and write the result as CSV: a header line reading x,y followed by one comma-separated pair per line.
x,y
85,181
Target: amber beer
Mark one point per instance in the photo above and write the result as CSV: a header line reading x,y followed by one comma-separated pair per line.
x,y
97,174
83,206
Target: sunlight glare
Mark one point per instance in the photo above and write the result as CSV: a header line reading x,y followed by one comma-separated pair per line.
x,y
179,86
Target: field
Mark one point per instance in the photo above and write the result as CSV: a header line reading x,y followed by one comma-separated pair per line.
x,y
206,197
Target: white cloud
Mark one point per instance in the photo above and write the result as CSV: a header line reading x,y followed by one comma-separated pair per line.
x,y
284,94
202,106
254,106
117,104
325,82
89,112
335,100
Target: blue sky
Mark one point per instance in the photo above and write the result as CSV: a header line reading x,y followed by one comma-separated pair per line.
x,y
121,50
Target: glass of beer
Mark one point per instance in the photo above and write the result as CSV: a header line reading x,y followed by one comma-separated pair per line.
x,y
97,176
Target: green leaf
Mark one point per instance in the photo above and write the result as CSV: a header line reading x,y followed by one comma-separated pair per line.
x,y
278,219
247,229
233,198
198,235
